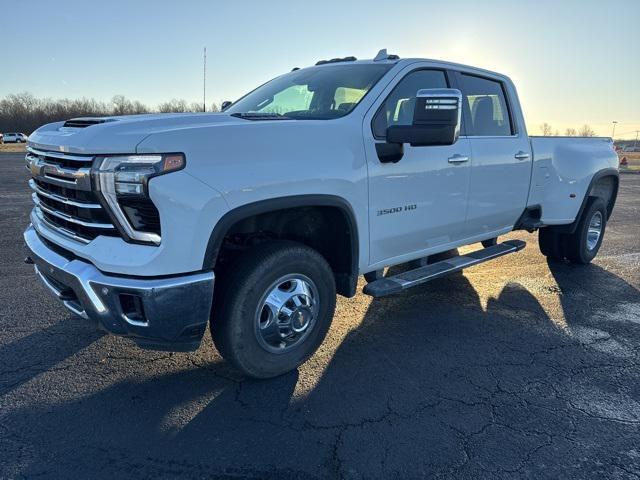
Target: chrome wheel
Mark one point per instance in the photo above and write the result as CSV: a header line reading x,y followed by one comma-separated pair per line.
x,y
594,231
287,313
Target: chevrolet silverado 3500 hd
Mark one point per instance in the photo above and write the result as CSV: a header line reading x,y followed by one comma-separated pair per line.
x,y
284,198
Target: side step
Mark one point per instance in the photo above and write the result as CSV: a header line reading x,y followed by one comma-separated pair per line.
x,y
411,278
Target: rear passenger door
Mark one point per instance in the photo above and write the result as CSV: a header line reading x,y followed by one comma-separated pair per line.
x,y
501,155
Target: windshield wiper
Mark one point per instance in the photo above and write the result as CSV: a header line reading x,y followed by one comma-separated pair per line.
x,y
260,116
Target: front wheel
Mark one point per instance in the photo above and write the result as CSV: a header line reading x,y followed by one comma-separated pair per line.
x,y
273,309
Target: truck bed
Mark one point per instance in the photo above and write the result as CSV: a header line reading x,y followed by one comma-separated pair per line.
x,y
562,170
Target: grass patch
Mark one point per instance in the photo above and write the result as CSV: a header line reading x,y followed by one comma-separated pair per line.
x,y
12,147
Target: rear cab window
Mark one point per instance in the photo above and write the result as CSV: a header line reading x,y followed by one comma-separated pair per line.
x,y
485,107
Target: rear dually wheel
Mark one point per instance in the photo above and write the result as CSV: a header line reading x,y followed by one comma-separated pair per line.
x,y
583,244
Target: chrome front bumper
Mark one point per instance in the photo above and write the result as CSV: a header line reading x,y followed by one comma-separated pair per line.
x,y
169,313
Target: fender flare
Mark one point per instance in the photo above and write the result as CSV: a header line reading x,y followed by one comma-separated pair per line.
x,y
273,204
606,172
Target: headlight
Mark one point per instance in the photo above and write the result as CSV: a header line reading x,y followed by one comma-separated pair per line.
x,y
123,184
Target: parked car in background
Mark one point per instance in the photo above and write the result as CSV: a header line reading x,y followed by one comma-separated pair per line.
x,y
14,138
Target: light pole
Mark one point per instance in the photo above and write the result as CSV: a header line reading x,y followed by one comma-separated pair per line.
x,y
204,80
613,134
635,141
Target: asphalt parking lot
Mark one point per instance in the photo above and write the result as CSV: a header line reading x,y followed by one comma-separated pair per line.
x,y
514,369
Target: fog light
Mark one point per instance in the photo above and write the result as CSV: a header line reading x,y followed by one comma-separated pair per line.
x,y
132,309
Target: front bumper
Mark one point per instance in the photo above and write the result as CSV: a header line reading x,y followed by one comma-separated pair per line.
x,y
168,313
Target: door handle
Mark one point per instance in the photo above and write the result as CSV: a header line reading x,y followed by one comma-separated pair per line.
x,y
458,159
522,155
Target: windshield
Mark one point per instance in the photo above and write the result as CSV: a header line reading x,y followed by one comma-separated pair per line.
x,y
316,93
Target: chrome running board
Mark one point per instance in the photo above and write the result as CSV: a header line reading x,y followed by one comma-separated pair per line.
x,y
398,283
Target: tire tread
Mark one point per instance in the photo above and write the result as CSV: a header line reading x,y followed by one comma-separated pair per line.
x,y
239,284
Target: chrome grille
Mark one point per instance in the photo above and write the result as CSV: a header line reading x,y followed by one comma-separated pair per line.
x,y
63,196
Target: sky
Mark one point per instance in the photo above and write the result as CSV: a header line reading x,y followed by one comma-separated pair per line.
x,y
573,61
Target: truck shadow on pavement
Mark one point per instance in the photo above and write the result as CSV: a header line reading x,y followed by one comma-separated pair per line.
x,y
431,383
40,351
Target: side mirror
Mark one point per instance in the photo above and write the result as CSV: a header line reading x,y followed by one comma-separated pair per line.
x,y
226,104
436,119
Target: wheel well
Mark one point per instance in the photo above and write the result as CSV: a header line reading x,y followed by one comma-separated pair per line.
x,y
328,229
603,185
606,187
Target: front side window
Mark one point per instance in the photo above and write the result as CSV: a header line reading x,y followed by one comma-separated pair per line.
x,y
486,106
398,108
316,93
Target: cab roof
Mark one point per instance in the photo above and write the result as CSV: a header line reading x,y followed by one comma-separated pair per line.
x,y
383,58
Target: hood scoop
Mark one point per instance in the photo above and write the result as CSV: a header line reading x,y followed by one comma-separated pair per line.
x,y
85,122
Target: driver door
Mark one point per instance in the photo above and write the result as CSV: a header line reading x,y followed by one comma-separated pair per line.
x,y
420,202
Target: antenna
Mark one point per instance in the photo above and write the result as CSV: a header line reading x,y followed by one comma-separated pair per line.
x,y
382,55
204,80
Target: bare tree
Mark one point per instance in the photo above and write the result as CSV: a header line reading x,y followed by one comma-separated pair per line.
x,y
174,105
546,129
179,105
194,107
124,106
570,132
586,131
121,106
22,112
139,107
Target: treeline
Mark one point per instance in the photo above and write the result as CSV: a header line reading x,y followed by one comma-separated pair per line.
x,y
584,131
23,112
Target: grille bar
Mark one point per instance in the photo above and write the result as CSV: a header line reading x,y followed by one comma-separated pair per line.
x,y
80,178
66,232
63,196
66,216
60,155
58,198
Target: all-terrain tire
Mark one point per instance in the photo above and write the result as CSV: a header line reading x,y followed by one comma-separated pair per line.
x,y
235,321
551,243
582,246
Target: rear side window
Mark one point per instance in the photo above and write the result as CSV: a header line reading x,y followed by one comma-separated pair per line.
x,y
486,106
397,109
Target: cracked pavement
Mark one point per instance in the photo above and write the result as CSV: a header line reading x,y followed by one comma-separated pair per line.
x,y
514,369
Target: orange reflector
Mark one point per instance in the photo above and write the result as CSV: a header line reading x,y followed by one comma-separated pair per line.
x,y
172,162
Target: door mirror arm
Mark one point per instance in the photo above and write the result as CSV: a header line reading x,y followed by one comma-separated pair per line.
x,y
389,152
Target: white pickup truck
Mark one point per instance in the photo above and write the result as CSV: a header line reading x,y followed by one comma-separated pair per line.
x,y
293,191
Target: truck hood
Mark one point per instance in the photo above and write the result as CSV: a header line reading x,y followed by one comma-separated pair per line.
x,y
118,134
